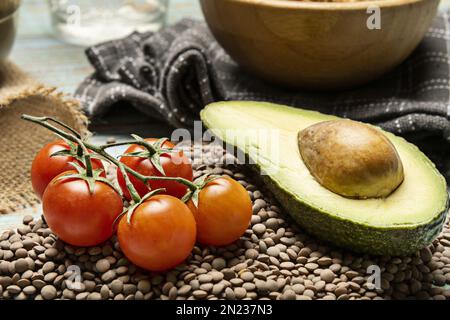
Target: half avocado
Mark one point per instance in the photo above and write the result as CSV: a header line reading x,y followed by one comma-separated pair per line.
x,y
406,220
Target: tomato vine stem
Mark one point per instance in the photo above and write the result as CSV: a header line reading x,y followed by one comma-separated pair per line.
x,y
101,150
73,136
142,143
131,189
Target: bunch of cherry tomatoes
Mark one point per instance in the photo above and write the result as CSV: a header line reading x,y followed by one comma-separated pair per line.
x,y
165,218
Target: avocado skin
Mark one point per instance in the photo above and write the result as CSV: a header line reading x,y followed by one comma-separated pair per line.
x,y
357,237
395,241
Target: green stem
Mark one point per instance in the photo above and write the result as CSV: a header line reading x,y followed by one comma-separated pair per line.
x,y
140,142
88,165
74,137
144,144
62,124
79,151
43,121
134,194
136,174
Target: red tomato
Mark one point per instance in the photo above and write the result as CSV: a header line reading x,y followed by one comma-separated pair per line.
x,y
78,217
175,164
45,167
224,212
161,233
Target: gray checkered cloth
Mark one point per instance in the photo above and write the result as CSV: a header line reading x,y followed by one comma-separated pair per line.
x,y
171,75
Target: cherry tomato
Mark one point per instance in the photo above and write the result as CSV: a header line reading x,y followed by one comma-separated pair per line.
x,y
45,167
175,164
160,235
224,212
78,217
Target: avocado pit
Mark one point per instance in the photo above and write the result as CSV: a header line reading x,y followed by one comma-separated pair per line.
x,y
351,159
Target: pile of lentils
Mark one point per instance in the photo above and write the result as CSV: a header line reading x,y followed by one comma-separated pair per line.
x,y
274,260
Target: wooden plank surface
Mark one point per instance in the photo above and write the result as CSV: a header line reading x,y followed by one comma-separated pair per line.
x,y
56,63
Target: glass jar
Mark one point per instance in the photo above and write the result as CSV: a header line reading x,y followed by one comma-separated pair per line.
x,y
87,22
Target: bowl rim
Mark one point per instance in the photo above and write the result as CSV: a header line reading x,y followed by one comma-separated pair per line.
x,y
315,5
11,14
8,17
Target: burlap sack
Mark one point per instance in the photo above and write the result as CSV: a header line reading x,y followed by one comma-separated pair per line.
x,y
20,140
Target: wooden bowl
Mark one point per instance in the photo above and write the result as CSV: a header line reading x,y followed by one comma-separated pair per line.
x,y
318,45
8,26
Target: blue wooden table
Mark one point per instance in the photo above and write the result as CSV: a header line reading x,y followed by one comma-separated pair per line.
x,y
56,63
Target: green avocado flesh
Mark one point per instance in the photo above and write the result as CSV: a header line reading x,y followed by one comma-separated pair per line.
x,y
404,222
